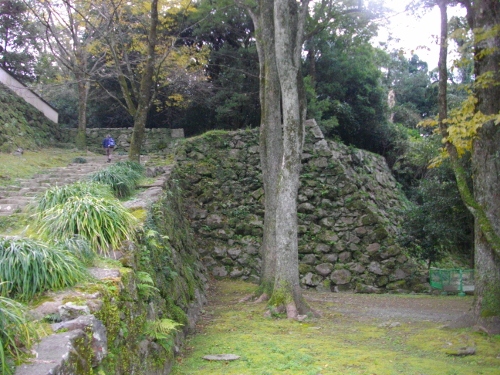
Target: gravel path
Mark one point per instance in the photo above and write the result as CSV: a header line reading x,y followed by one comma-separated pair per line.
x,y
408,308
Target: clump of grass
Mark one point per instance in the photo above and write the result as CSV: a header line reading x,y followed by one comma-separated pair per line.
x,y
121,177
133,165
104,222
16,333
30,267
79,160
60,194
80,247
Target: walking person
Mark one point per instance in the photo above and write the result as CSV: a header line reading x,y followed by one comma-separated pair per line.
x,y
108,144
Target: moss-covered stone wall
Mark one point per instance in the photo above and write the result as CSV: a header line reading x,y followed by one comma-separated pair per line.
x,y
349,213
22,125
132,316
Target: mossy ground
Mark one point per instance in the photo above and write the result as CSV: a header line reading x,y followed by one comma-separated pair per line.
x,y
13,167
336,343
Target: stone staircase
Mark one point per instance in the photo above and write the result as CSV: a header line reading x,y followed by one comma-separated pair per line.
x,y
14,198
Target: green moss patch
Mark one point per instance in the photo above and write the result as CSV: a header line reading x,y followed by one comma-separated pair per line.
x,y
336,343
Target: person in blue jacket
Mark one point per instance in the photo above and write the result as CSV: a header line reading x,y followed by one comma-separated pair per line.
x,y
108,144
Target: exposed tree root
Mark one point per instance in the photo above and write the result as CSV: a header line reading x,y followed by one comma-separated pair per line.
x,y
247,298
264,297
291,311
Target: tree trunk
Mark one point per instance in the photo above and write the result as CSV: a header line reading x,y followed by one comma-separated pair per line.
x,y
83,93
486,168
146,89
271,147
288,44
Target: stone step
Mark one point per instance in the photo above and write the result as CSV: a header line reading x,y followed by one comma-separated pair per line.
x,y
8,209
15,197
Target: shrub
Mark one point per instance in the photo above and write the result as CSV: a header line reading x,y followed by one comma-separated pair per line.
x,y
121,177
105,223
30,267
16,332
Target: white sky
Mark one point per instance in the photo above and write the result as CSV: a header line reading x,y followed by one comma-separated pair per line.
x,y
416,34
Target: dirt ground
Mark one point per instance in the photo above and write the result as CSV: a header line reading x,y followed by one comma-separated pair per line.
x,y
407,308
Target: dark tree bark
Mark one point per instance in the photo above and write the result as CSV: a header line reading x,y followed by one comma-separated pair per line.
x,y
483,17
486,165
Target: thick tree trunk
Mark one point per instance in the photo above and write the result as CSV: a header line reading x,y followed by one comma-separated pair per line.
x,y
486,167
271,147
288,43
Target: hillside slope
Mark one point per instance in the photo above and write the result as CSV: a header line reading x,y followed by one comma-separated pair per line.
x,y
22,125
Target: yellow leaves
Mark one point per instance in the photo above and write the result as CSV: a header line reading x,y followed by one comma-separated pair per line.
x,y
485,80
176,100
481,35
464,123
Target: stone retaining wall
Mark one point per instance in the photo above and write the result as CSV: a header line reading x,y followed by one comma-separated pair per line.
x,y
349,213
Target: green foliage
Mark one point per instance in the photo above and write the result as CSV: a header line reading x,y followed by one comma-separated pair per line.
x,y
80,247
145,286
437,223
122,178
230,100
105,223
344,90
161,331
58,195
30,267
16,332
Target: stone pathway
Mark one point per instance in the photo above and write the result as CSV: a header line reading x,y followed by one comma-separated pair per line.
x,y
14,198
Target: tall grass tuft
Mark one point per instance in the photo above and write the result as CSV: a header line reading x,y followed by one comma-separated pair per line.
x,y
16,332
60,194
30,267
121,177
105,223
80,247
135,166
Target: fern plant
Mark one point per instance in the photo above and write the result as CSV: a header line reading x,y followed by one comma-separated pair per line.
x,y
161,331
145,286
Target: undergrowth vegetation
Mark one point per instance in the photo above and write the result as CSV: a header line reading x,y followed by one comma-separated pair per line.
x,y
103,222
121,177
16,332
30,266
70,226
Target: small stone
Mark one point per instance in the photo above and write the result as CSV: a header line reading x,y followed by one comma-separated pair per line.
x,y
221,357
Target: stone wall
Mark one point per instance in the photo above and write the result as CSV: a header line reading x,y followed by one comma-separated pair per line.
x,y
155,140
22,125
349,213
